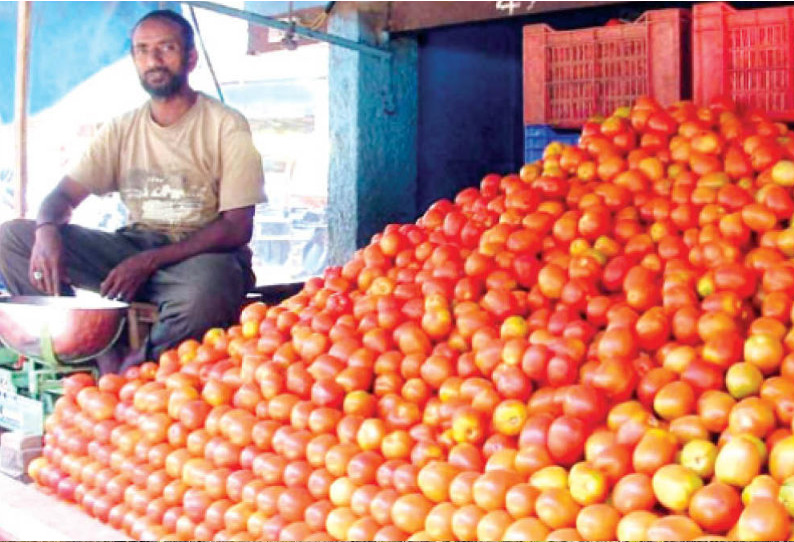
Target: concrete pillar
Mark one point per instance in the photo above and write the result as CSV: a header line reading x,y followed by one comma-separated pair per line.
x,y
372,175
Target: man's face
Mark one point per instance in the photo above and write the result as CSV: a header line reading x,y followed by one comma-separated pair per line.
x,y
160,58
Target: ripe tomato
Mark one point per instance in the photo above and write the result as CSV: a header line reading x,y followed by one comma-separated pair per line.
x,y
716,507
763,519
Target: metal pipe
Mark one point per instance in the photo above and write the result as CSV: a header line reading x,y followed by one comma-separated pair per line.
x,y
206,55
301,31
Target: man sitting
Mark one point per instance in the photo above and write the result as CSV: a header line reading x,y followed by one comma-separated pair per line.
x,y
188,173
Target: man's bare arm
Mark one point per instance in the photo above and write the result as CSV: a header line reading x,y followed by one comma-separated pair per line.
x,y
56,208
46,270
232,229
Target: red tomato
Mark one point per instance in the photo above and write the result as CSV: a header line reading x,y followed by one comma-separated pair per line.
x,y
566,437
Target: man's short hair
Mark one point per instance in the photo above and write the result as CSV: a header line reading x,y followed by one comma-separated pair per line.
x,y
184,27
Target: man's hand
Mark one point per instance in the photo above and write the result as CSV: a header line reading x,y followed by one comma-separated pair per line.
x,y
127,277
46,270
229,231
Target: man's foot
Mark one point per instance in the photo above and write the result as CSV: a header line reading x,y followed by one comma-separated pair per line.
x,y
132,359
110,361
118,359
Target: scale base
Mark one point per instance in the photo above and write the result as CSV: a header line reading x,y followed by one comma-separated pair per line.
x,y
28,392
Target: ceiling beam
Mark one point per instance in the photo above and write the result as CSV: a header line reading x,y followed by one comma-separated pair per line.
x,y
406,16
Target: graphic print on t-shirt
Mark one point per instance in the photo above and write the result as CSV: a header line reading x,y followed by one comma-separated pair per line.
x,y
166,199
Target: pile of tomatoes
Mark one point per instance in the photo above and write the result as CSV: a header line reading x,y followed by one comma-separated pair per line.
x,y
598,347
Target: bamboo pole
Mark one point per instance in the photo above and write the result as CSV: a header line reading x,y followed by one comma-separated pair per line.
x,y
21,106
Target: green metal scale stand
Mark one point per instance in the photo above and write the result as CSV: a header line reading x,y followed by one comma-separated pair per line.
x,y
29,387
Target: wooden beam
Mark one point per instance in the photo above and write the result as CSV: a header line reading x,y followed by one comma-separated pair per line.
x,y
418,15
21,106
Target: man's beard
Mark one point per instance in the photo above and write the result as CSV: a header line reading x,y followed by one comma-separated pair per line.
x,y
170,87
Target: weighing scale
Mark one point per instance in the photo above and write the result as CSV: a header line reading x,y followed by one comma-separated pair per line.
x,y
47,339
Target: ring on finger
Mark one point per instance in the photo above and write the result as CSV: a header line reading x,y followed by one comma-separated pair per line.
x,y
37,275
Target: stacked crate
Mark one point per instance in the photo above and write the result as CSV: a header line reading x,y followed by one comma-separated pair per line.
x,y
745,55
572,76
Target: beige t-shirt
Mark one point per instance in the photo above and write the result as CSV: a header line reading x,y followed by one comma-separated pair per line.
x,y
178,178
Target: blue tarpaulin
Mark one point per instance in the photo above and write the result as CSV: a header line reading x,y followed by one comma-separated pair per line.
x,y
8,61
69,41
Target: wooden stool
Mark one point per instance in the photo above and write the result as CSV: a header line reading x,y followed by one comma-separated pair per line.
x,y
140,317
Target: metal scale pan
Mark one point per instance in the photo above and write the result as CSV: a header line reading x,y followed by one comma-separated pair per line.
x,y
53,337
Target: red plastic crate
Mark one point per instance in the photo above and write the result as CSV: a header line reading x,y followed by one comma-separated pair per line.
x,y
747,55
572,75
